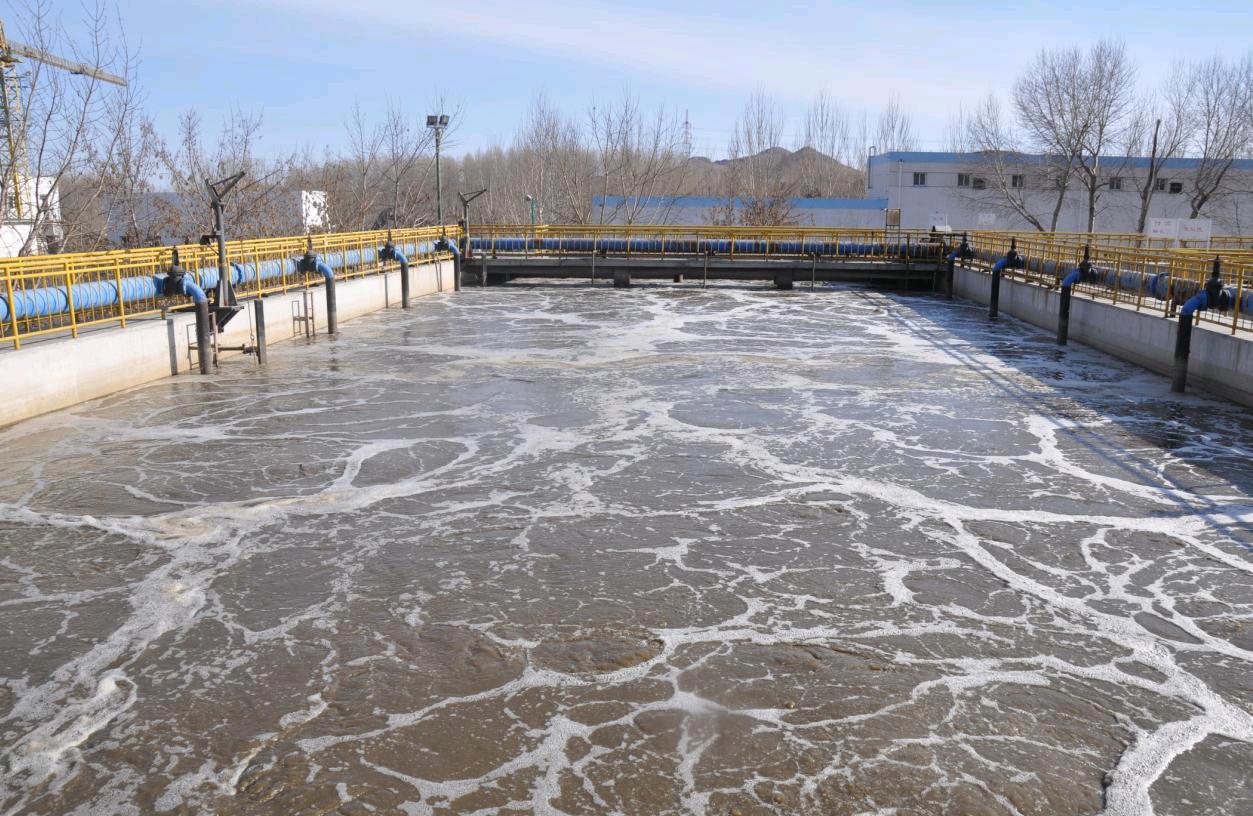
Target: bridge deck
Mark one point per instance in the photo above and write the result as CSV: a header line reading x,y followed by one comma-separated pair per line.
x,y
887,271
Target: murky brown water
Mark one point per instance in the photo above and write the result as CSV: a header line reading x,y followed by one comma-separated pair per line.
x,y
657,551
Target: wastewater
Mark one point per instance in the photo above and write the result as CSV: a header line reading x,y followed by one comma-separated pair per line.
x,y
575,550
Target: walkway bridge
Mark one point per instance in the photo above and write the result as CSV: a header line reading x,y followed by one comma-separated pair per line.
x,y
904,259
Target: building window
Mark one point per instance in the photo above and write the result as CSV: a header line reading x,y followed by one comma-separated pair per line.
x,y
1176,187
920,179
963,179
979,183
1115,182
1017,181
1160,185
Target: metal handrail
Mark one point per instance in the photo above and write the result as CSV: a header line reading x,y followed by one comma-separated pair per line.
x,y
50,288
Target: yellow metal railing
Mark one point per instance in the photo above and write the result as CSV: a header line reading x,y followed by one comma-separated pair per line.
x,y
1157,279
1136,271
45,288
757,242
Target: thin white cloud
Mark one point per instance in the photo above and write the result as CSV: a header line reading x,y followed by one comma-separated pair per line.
x,y
684,49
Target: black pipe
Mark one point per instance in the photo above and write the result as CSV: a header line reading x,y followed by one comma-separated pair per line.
x,y
404,282
259,317
1063,317
204,349
332,314
994,302
948,276
1183,347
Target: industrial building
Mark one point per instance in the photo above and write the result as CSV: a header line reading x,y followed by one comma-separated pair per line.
x,y
974,191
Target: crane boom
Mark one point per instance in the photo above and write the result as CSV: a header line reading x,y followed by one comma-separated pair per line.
x,y
11,105
76,68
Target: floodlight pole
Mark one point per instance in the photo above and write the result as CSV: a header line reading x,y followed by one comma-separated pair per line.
x,y
437,122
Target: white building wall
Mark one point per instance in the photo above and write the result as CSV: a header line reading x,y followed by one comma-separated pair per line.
x,y
892,177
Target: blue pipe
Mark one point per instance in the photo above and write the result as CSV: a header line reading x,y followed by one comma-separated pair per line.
x,y
1072,278
325,271
1000,265
46,301
1197,301
193,291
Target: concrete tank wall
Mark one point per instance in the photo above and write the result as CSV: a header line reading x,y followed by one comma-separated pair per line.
x,y
47,375
1219,363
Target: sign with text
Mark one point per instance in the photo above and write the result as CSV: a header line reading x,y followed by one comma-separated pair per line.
x,y
1163,227
1195,229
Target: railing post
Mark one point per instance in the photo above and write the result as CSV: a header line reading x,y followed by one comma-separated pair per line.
x,y
69,297
8,287
1235,312
117,282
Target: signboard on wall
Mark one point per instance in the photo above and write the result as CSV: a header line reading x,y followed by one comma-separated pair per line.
x,y
313,209
1163,227
892,217
1195,229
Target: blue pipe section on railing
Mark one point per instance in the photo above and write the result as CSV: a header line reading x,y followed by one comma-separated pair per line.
x,y
1198,301
45,301
325,271
716,246
1000,265
1072,278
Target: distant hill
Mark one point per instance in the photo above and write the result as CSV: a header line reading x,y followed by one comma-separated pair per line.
x,y
809,172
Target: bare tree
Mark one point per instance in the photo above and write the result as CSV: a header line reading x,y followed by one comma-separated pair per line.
x,y
1219,97
826,152
67,127
639,158
1158,130
758,191
1100,106
895,130
403,157
261,205
1002,166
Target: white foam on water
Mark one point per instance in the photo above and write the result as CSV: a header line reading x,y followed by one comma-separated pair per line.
x,y
819,443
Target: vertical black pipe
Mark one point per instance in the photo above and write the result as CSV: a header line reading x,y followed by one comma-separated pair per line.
x,y
1183,347
1063,316
259,318
225,295
404,284
994,302
332,314
948,276
204,345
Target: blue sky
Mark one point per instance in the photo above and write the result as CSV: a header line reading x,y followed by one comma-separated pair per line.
x,y
303,63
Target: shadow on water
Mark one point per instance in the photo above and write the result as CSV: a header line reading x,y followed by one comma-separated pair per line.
x,y
963,332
